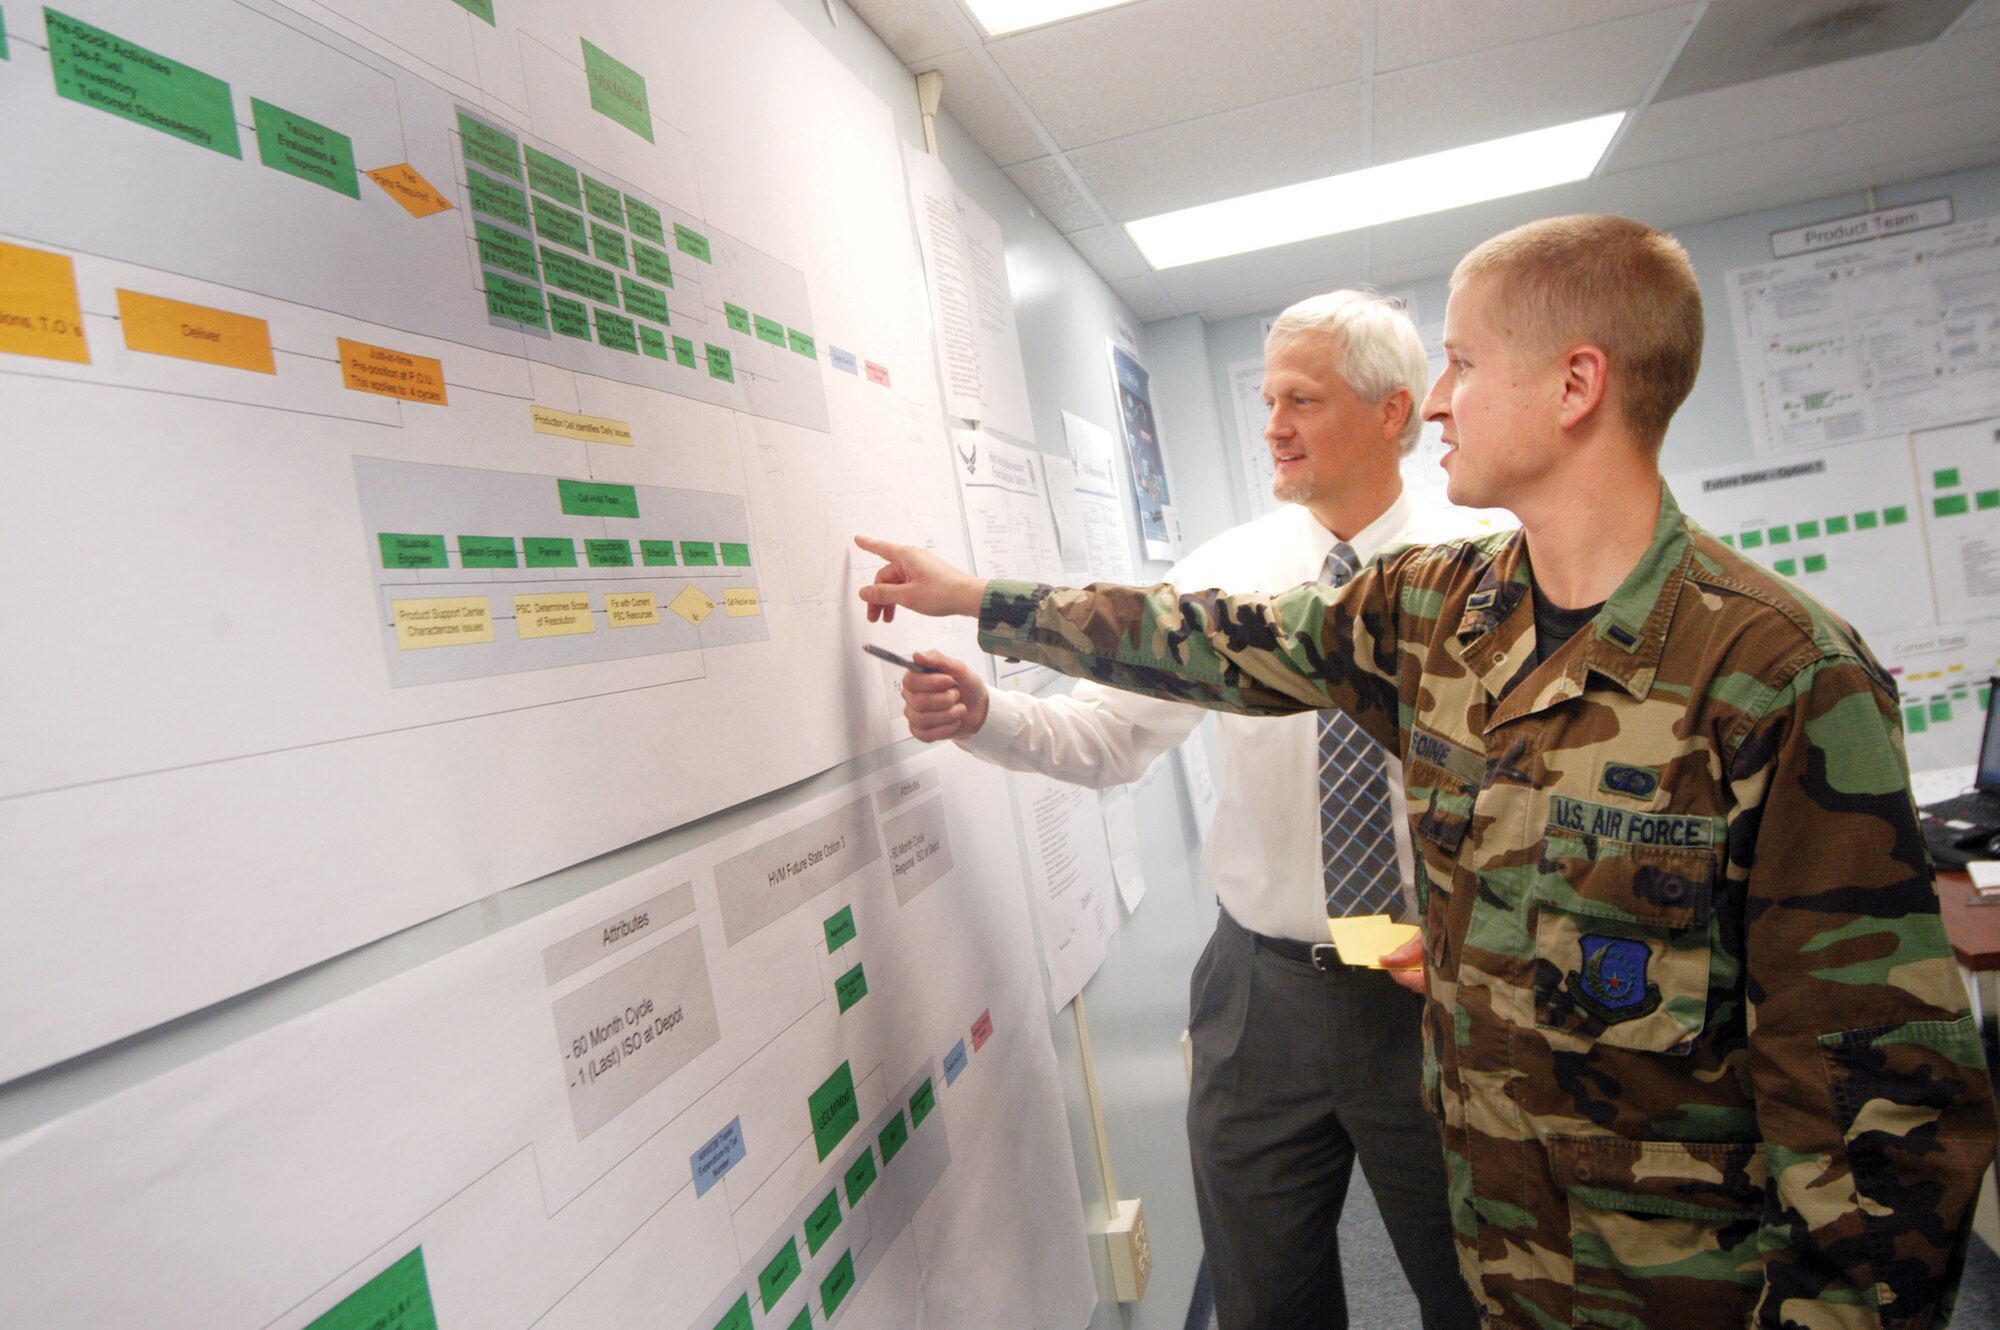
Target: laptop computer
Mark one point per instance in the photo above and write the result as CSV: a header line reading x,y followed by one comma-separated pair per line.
x,y
1961,829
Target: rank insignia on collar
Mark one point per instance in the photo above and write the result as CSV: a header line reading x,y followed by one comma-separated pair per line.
x,y
1612,983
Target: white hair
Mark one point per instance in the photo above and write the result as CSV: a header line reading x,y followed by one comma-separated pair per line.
x,y
1380,348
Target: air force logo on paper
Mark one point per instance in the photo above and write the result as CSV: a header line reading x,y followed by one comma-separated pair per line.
x,y
1612,983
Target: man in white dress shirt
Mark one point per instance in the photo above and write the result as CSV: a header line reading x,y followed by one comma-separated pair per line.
x,y
1301,1064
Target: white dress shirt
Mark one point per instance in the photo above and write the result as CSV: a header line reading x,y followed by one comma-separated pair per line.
x,y
1263,851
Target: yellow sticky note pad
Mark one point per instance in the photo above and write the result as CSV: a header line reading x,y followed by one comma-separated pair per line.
x,y
39,311
392,373
631,609
741,602
442,621
553,616
570,425
691,605
405,184
163,327
1364,939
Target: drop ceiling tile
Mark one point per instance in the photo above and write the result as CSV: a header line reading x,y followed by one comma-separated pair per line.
x,y
1891,139
1740,41
1143,297
1220,156
983,110
1444,237
1143,66
1415,32
1195,285
1767,109
1961,65
1043,181
913,29
1110,251
1529,86
1699,185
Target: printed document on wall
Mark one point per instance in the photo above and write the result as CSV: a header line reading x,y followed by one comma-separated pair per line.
x,y
1107,537
805,1069
1013,529
972,308
1871,339
1069,867
1941,676
1958,470
1843,523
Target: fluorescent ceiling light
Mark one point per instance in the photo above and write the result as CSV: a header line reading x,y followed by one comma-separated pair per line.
x,y
1450,179
1000,17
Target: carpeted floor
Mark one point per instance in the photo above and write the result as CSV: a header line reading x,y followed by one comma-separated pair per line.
x,y
1379,1299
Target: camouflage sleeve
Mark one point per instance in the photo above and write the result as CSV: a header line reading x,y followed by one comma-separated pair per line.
x,y
1870,1084
1311,648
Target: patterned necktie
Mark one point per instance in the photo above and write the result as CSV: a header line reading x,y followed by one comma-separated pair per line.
x,y
1357,847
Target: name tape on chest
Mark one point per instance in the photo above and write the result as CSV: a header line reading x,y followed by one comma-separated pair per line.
x,y
1460,762
1578,817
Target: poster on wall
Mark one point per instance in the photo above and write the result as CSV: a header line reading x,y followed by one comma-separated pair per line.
x,y
1133,387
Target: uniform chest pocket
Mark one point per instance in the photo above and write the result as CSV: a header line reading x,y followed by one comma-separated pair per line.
x,y
1440,804
1623,931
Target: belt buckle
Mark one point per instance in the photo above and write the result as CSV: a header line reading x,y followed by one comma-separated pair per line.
x,y
1326,958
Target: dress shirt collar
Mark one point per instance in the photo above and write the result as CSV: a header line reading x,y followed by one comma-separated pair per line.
x,y
1369,541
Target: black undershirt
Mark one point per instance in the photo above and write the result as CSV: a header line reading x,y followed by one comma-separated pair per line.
x,y
1555,625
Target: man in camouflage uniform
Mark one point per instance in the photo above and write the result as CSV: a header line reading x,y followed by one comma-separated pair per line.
x,y
1694,1036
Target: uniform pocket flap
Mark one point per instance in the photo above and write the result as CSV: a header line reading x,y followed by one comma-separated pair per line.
x,y
1634,884
1440,804
1713,1180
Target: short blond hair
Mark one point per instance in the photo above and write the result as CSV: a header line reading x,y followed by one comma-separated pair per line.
x,y
1614,283
1380,350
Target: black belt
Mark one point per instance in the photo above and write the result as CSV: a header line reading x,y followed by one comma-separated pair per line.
x,y
1319,955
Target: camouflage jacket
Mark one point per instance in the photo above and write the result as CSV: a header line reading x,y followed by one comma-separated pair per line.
x,y
1695,1038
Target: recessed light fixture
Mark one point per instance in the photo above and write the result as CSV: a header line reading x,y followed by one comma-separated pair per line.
x,y
1000,17
1410,188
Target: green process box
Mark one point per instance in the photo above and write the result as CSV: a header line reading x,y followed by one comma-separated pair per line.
x,y
549,551
566,272
602,201
609,246
833,1290
397,1299
515,301
507,250
802,343
654,343
1779,535
892,1138
596,498
1806,530
1815,563
652,264
617,332
1950,505
648,302
851,987
684,353
738,317
487,552
737,1317
770,330
1945,479
735,555
489,148
571,318
1895,516
608,553
698,553
495,199
839,928
833,1110
554,177
617,91
691,243
288,142
921,1103
822,1222
1836,526
644,220
860,1176
409,551
720,366
776,1277
557,223
657,553
102,70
